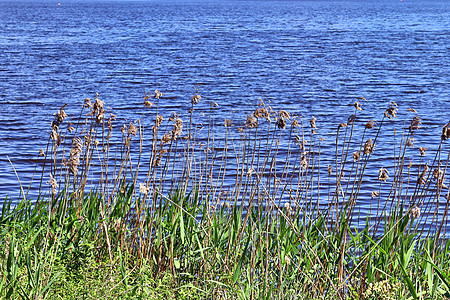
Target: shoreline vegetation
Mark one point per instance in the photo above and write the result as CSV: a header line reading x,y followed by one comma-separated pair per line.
x,y
246,211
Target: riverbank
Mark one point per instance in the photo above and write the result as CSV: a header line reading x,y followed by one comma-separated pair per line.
x,y
250,212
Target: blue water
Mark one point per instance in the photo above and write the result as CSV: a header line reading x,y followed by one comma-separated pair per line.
x,y
307,57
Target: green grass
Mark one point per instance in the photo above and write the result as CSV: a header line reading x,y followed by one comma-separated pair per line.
x,y
170,226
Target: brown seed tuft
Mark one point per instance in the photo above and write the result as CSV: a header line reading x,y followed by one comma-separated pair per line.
x,y
284,115
143,189
196,99
281,123
132,130
252,122
53,185
415,124
356,156
227,123
391,111
158,94
412,110
124,129
300,142
445,131
177,127
329,170
368,147
74,155
409,142
342,125
415,212
262,113
370,124
167,137
374,194
422,150
158,120
304,162
313,122
87,103
422,176
351,119
148,104
358,106
383,174
61,114
56,137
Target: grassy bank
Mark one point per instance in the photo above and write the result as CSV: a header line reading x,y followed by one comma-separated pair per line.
x,y
182,210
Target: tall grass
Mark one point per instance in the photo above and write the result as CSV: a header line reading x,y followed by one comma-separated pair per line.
x,y
172,208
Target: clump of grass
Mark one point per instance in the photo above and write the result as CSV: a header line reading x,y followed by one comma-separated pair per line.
x,y
172,208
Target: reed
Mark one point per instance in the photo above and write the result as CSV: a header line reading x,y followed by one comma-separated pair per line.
x,y
167,207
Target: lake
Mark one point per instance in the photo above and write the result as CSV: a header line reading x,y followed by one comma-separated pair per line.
x,y
311,58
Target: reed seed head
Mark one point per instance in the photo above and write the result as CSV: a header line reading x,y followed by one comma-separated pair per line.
x,y
374,194
158,120
56,137
409,142
74,155
304,162
196,99
422,150
167,137
391,111
370,124
329,170
124,129
422,176
41,152
143,189
383,175
412,110
177,127
438,176
445,131
300,142
87,103
415,124
287,207
132,130
415,212
148,104
351,119
368,147
342,125
356,156
250,171
252,122
61,114
158,94
313,122
262,113
281,123
358,105
53,185
227,123
284,115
